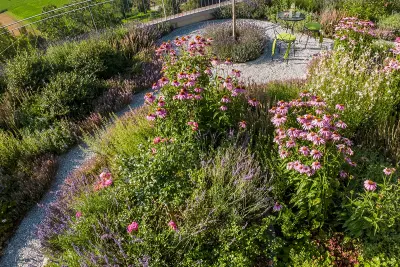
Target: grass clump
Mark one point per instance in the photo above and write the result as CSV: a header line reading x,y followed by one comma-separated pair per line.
x,y
248,45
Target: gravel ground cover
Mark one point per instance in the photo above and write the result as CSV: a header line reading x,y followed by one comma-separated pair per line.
x,y
24,248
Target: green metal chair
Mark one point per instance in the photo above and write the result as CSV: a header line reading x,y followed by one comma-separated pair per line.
x,y
287,38
315,29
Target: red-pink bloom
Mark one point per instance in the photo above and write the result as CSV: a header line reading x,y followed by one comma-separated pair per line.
x,y
339,107
236,73
175,83
283,154
173,225
277,206
163,81
341,124
389,171
370,185
318,141
304,150
253,102
161,103
228,61
225,99
78,214
316,165
151,117
156,140
161,113
198,97
290,144
343,174
316,154
198,90
108,182
155,86
242,124
278,120
134,226
149,98
195,125
223,108
105,175
182,75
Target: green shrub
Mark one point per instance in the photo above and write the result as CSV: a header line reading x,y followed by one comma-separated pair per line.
x,y
249,44
371,9
391,23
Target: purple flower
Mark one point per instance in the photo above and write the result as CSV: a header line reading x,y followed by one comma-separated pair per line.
x,y
223,108
277,206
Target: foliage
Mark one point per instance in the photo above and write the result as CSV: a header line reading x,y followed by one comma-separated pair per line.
x,y
248,45
360,84
329,19
391,22
372,9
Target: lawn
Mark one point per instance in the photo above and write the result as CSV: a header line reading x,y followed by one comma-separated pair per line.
x,y
21,9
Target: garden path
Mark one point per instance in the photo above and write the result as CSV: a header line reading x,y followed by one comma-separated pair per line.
x,y
24,248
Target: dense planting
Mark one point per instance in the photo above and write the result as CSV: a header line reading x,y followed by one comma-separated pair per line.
x,y
50,98
215,173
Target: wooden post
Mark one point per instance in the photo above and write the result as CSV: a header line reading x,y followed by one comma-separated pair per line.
x,y
233,20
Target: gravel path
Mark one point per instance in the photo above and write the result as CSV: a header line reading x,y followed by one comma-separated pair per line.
x,y
264,69
24,248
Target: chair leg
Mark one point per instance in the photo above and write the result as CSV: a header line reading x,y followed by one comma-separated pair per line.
x,y
294,49
308,37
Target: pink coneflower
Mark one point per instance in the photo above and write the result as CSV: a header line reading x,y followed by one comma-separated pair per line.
x,y
155,86
149,98
161,113
181,96
151,117
223,108
283,110
319,111
304,150
335,137
161,103
349,151
290,144
134,226
156,140
173,225
182,75
389,171
304,94
163,81
175,83
198,97
325,132
341,124
190,83
105,175
318,141
228,61
242,124
228,84
339,107
283,154
370,185
236,73
290,166
277,206
311,136
327,118
318,122
214,61
208,71
78,214
347,141
350,162
343,174
198,90
316,165
195,125
316,154
225,99
278,120
107,182
253,102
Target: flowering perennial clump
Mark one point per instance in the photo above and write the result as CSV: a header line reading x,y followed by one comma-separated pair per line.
x,y
191,94
104,181
310,141
352,31
393,63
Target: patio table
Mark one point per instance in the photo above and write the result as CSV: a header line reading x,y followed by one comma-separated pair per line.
x,y
296,17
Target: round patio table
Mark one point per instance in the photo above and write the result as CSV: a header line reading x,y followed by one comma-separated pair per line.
x,y
296,17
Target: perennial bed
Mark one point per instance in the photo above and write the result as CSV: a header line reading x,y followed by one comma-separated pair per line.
x,y
216,173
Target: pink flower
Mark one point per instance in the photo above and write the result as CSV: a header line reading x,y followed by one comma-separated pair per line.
x,y
161,113
181,96
108,182
228,61
228,84
105,175
156,140
283,154
198,97
195,125
223,108
182,75
225,99
316,165
318,141
153,151
343,174
339,107
253,102
290,144
149,98
151,117
370,185
242,124
163,81
341,124
316,154
161,103
304,150
175,83
208,71
78,214
155,86
277,206
198,90
214,61
173,225
134,226
236,73
278,120
389,171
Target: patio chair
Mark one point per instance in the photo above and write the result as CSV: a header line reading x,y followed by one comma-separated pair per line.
x,y
284,37
314,29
